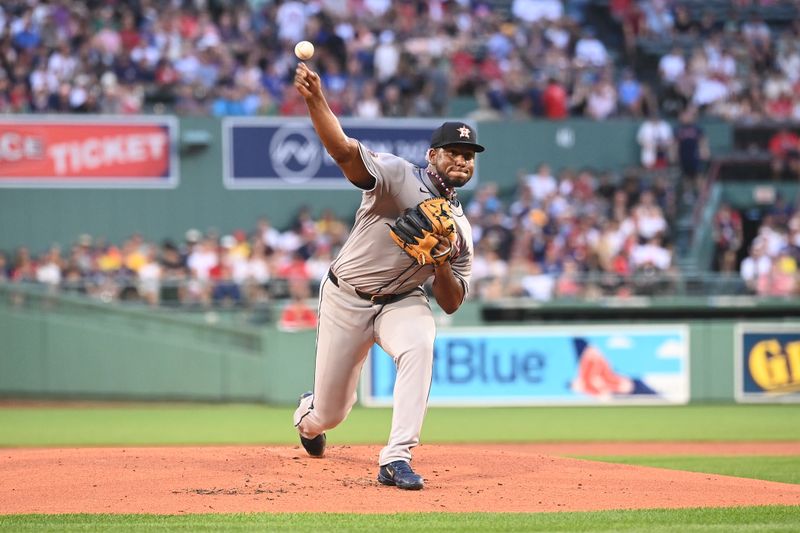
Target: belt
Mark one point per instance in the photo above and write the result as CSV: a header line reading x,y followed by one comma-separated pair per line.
x,y
377,299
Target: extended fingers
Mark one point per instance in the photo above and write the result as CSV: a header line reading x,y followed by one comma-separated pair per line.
x,y
304,77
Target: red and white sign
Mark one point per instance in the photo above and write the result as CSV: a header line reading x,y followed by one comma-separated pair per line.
x,y
88,152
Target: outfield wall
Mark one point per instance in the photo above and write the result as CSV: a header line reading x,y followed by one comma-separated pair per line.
x,y
70,347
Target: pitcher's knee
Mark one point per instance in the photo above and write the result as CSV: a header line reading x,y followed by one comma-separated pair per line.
x,y
330,418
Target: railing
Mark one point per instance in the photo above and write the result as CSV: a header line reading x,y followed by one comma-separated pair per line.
x,y
543,287
39,298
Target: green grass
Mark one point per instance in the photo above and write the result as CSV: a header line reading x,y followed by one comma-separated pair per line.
x,y
785,469
166,424
198,424
740,519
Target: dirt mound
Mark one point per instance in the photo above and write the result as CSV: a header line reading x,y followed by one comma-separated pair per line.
x,y
505,478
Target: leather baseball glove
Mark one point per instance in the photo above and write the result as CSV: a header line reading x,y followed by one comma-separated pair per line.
x,y
416,229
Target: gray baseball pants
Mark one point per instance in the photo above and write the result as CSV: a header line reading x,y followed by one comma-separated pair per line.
x,y
348,326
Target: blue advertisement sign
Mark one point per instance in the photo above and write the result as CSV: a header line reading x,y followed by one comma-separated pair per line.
x,y
269,153
548,365
768,363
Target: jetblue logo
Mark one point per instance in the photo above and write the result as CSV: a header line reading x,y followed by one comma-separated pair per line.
x,y
466,362
295,153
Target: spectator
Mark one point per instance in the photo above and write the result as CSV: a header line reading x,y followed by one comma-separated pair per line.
x,y
672,66
782,278
536,284
727,232
756,267
297,315
684,24
631,94
202,259
650,260
149,278
692,147
756,32
268,235
532,11
590,51
48,270
601,101
780,212
784,147
569,283
648,217
659,20
497,235
554,100
542,184
656,140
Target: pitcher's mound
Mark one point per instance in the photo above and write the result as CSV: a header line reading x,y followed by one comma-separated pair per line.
x,y
473,478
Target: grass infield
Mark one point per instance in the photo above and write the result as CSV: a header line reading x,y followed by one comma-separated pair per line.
x,y
202,424
739,519
785,469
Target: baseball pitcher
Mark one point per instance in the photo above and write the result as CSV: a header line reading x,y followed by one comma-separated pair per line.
x,y
409,228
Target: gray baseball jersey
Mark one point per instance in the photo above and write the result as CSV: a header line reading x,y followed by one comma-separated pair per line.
x,y
370,263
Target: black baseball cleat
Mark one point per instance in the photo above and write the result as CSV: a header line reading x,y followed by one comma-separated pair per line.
x,y
316,446
399,473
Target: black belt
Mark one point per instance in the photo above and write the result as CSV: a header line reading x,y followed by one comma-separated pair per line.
x,y
378,299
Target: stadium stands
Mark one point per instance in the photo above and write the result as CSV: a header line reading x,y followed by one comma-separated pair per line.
x,y
581,234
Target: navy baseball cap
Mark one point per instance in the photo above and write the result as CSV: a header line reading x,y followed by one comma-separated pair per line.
x,y
455,133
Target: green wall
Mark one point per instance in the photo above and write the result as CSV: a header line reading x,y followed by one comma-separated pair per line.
x,y
68,346
64,346
40,217
575,143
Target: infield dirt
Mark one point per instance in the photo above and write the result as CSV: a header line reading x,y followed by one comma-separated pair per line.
x,y
461,478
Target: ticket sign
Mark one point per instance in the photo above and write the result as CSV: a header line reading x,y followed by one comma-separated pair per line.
x,y
767,362
96,152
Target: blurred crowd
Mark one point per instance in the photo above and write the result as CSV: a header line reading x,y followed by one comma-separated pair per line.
x,y
769,265
204,270
393,58
736,67
577,234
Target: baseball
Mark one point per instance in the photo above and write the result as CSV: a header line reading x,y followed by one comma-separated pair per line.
x,y
304,50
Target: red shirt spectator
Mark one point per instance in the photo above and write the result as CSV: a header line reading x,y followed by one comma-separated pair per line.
x,y
129,34
297,315
619,8
294,269
490,70
554,100
781,107
784,143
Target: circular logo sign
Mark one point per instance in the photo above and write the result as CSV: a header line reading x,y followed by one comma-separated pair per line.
x,y
295,153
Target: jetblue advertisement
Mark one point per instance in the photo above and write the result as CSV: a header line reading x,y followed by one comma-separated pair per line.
x,y
586,365
269,153
767,363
